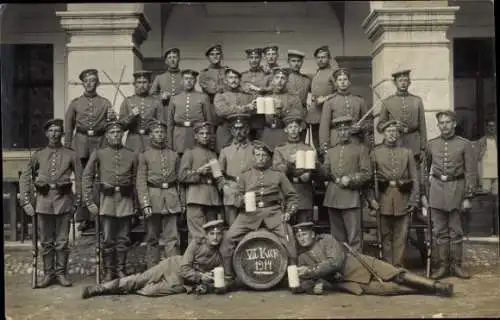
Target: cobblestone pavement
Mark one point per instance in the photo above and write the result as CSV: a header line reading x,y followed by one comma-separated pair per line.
x,y
477,297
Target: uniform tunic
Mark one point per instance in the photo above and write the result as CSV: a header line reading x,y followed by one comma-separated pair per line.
x,y
201,189
322,85
339,106
273,133
350,160
300,85
51,166
408,109
259,79
396,164
184,110
281,162
211,80
157,180
488,157
137,125
230,102
453,158
327,258
170,82
172,275
235,159
87,114
116,167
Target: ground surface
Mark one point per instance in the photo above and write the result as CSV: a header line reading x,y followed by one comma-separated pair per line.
x,y
477,297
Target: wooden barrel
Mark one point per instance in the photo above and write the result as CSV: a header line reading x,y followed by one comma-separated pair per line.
x,y
260,260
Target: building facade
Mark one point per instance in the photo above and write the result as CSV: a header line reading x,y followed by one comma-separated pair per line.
x,y
449,45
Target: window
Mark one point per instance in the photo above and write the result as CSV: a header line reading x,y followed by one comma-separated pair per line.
x,y
27,94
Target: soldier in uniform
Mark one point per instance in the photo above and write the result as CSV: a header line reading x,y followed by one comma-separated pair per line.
x,y
409,110
203,201
159,194
169,83
87,115
232,101
212,78
285,103
191,272
273,191
255,82
184,110
398,181
271,54
284,159
116,166
49,171
137,112
347,169
298,83
325,263
322,86
235,159
344,103
452,186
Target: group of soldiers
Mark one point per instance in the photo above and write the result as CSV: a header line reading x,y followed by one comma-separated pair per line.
x,y
200,154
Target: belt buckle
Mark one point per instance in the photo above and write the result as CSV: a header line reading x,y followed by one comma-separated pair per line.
x,y
337,180
187,123
90,133
444,178
260,204
273,124
392,183
52,186
164,185
209,181
295,180
142,131
117,189
237,179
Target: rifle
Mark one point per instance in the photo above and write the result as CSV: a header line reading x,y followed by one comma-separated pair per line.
x,y
98,234
34,251
363,262
378,217
426,213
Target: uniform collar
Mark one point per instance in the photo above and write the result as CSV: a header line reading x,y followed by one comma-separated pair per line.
x,y
54,148
263,169
90,95
391,146
158,146
188,91
345,93
402,94
117,147
276,90
448,138
174,70
237,89
144,95
217,66
258,69
241,145
327,67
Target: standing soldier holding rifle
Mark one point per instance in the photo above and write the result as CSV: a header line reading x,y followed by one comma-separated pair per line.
x,y
452,185
398,183
116,166
169,83
87,115
49,170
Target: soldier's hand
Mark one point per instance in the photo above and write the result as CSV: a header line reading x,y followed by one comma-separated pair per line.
x,y
321,100
147,212
466,204
206,277
305,177
93,209
355,128
345,180
278,104
374,205
411,209
373,213
254,87
425,202
30,211
78,201
285,217
292,158
135,111
302,270
165,95
204,170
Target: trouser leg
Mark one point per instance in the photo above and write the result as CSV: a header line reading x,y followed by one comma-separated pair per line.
x,y
287,240
352,223
315,135
108,247
399,236
47,226
83,214
231,238
386,231
153,227
122,244
195,220
230,213
62,224
441,233
456,245
337,227
170,235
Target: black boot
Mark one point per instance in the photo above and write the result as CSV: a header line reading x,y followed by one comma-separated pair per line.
x,y
61,268
443,263
121,264
426,285
228,273
48,271
152,255
110,287
108,266
456,261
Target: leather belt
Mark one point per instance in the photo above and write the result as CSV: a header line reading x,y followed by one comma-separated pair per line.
x,y
184,124
164,185
445,178
208,181
296,180
266,204
231,178
90,132
110,190
43,189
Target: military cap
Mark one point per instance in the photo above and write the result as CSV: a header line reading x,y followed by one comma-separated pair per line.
x,y
293,117
448,113
260,145
53,122
157,123
88,72
341,71
321,49
176,50
213,224
202,124
231,70
304,225
142,73
391,123
296,53
271,47
239,119
114,124
284,71
217,47
257,51
402,72
190,71
343,121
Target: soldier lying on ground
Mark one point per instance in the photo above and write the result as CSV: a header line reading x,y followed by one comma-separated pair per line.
x,y
326,263
189,273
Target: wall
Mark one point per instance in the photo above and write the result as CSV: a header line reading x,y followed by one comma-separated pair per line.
x,y
356,42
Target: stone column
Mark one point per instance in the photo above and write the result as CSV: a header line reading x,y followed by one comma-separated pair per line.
x,y
106,37
413,35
